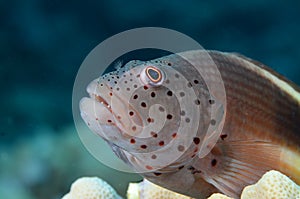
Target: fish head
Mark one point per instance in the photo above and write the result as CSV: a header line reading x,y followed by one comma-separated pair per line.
x,y
154,114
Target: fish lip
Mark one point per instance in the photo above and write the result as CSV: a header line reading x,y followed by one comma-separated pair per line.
x,y
100,99
104,100
92,91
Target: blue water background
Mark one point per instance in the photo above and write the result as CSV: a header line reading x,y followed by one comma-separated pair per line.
x,y
43,42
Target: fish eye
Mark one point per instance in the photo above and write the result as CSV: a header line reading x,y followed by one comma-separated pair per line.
x,y
152,76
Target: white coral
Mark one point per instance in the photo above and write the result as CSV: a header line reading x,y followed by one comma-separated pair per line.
x,y
91,188
148,190
273,184
219,196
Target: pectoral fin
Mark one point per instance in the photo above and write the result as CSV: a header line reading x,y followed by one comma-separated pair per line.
x,y
240,163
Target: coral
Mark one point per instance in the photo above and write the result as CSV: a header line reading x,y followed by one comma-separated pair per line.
x,y
273,184
148,190
219,196
91,188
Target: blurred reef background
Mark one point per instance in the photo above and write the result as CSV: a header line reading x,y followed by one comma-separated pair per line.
x,y
43,42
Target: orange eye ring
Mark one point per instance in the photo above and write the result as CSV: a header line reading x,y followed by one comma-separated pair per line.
x,y
152,76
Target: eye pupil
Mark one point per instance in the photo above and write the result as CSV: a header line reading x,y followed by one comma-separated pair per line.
x,y
153,74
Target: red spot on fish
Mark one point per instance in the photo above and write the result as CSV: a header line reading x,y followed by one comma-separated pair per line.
x,y
174,135
149,167
214,162
161,143
110,94
195,171
132,141
153,134
153,156
131,113
196,149
97,119
169,116
109,121
157,174
223,136
143,146
196,140
150,120
133,128
145,87
143,104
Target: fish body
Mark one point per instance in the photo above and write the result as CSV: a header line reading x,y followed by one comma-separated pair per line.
x,y
161,118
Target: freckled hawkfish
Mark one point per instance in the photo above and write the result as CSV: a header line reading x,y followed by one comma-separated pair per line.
x,y
156,115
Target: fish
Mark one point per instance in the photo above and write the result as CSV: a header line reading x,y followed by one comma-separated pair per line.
x,y
198,122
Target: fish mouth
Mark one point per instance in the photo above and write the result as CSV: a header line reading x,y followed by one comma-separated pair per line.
x,y
102,101
108,108
99,101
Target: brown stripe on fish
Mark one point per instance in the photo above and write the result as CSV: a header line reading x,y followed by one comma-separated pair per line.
x,y
269,105
261,106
